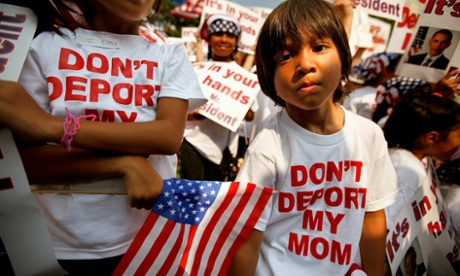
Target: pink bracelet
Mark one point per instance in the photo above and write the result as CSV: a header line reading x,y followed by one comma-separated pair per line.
x,y
71,125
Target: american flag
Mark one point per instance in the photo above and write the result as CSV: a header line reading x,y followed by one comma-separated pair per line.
x,y
418,41
190,10
195,228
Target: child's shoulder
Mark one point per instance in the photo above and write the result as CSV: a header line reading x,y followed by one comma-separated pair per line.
x,y
361,122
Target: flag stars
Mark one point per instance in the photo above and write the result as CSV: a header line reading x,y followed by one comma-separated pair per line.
x,y
187,200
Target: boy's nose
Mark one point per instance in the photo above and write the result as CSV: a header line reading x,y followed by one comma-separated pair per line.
x,y
305,63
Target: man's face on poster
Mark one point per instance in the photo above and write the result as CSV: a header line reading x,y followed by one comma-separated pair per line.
x,y
438,43
409,263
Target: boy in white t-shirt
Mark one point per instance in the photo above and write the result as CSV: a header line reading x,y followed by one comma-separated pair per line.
x,y
330,168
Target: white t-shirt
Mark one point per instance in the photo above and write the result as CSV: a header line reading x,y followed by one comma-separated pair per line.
x,y
452,202
362,101
120,78
324,185
411,173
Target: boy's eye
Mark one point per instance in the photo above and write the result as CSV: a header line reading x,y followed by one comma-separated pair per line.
x,y
319,48
283,57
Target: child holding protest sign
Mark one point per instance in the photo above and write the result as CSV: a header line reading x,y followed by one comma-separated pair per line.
x,y
208,147
330,167
421,126
109,73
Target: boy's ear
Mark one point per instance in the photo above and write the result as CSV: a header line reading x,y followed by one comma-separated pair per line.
x,y
432,137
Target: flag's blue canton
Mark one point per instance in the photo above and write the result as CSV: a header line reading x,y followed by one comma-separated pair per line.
x,y
186,201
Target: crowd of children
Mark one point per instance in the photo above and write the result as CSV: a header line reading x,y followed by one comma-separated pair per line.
x,y
81,124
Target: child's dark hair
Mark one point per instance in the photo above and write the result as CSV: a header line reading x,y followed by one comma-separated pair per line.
x,y
298,20
420,112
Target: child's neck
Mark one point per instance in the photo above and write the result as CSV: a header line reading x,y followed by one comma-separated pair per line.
x,y
326,120
111,26
221,59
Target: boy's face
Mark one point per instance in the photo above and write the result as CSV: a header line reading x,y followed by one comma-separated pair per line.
x,y
306,76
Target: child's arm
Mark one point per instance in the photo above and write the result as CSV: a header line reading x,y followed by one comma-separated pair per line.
x,y
346,6
199,48
57,166
161,136
372,244
245,259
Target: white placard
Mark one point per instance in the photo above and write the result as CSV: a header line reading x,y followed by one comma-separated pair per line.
x,y
22,229
230,89
434,17
250,21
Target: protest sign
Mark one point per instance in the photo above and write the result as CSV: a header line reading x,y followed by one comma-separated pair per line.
x,y
402,30
423,229
22,228
438,19
230,89
264,12
250,21
380,33
360,37
189,39
391,9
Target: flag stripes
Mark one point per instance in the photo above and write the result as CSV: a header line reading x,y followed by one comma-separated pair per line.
x,y
167,247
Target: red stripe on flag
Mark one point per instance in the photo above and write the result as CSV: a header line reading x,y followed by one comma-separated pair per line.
x,y
156,248
228,228
248,227
136,244
184,260
212,225
173,253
